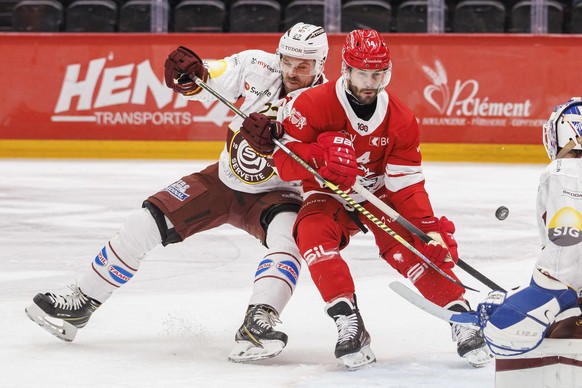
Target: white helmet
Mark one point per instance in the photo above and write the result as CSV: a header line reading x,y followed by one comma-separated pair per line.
x,y
564,128
305,41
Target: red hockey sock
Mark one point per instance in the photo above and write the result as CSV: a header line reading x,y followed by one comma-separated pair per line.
x,y
332,278
435,287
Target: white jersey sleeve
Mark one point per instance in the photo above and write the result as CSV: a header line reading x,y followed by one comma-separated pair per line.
x,y
255,77
559,212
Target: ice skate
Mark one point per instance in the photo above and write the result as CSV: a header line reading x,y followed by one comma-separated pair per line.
x,y
62,315
256,339
353,344
470,343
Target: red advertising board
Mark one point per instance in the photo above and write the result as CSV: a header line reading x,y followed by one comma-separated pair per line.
x,y
467,89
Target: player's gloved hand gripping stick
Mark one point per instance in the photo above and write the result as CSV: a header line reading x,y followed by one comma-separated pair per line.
x,y
368,196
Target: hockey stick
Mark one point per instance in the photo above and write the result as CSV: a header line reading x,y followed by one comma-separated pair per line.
x,y
424,304
394,215
337,190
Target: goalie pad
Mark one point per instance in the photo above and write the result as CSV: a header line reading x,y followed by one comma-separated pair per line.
x,y
519,323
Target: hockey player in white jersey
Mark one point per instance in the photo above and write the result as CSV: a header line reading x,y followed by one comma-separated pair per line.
x,y
241,189
518,322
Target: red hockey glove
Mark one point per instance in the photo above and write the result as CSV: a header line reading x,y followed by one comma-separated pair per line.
x,y
258,130
334,158
181,67
443,249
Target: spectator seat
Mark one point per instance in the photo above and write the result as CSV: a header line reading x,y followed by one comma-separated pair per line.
x,y
200,16
38,16
412,16
521,17
255,16
91,16
479,16
136,16
306,11
575,23
358,14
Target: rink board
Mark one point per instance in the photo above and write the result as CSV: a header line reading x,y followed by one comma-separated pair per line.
x,y
472,95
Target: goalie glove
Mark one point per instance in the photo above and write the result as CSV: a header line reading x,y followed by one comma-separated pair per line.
x,y
442,249
334,158
181,68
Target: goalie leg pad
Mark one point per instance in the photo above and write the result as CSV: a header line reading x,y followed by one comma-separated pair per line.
x,y
520,323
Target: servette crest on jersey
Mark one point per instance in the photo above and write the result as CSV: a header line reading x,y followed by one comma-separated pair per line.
x,y
245,164
297,119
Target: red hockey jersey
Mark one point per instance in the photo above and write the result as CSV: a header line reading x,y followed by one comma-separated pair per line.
x,y
387,145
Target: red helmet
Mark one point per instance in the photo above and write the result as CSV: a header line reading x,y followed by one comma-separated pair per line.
x,y
365,49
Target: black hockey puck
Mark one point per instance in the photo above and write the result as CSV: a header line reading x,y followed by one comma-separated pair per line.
x,y
501,213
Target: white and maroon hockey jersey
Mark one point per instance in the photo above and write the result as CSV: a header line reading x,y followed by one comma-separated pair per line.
x,y
255,76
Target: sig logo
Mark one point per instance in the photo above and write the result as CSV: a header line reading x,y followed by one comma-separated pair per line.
x,y
564,227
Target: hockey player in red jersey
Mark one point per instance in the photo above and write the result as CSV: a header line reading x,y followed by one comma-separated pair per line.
x,y
353,129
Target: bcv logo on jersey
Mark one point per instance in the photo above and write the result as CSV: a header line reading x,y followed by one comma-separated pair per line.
x,y
378,141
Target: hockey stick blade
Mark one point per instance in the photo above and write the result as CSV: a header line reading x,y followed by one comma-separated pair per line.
x,y
431,308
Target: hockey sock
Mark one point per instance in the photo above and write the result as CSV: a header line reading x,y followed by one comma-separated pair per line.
x,y
117,262
278,272
332,278
433,286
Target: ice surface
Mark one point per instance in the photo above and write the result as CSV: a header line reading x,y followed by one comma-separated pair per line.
x,y
173,325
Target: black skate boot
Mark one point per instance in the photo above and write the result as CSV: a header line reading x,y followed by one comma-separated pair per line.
x,y
469,338
256,339
353,344
62,315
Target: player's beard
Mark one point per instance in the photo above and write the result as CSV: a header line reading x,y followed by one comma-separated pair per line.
x,y
365,96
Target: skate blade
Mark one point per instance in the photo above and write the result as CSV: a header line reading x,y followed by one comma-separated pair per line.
x,y
63,331
245,351
358,360
478,358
